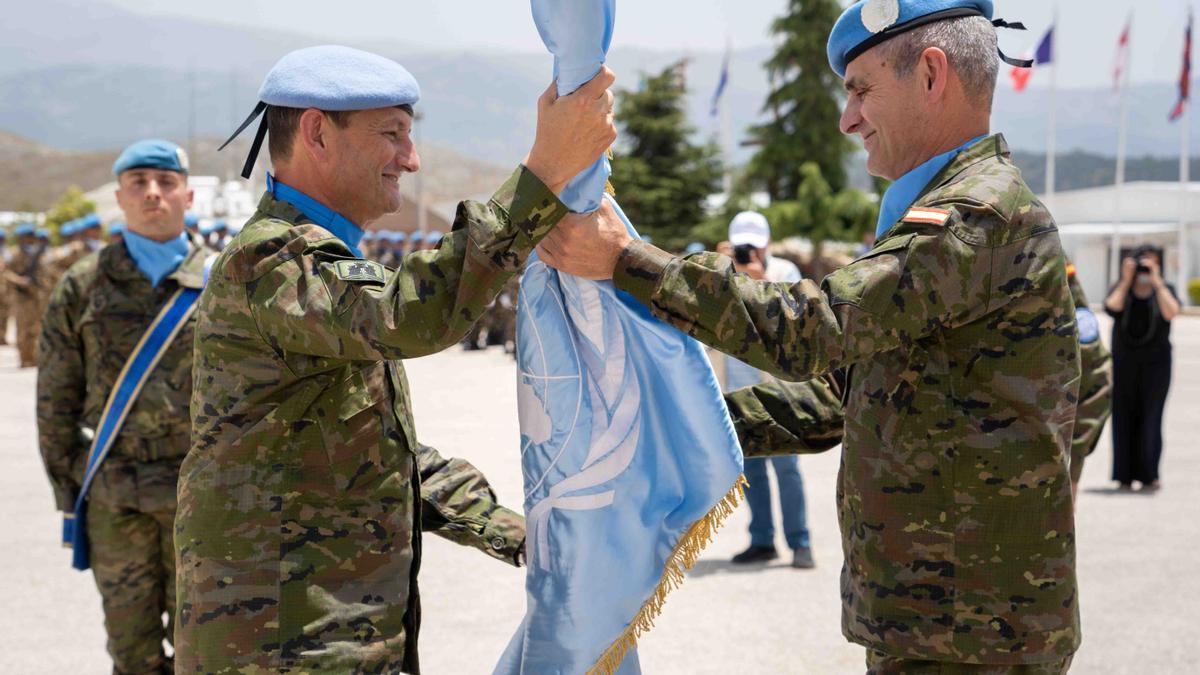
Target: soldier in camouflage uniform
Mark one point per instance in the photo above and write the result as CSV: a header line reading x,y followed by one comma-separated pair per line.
x,y
23,278
5,254
300,509
952,345
97,314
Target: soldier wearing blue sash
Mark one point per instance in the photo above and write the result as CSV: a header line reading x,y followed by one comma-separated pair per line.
x,y
114,387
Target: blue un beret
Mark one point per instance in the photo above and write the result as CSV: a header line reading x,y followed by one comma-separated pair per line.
x,y
25,229
116,227
417,237
88,222
434,237
399,237
152,154
868,23
191,220
43,233
329,77
69,228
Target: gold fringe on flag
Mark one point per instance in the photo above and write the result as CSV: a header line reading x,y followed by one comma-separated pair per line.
x,y
682,559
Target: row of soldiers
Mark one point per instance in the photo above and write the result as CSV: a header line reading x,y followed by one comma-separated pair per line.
x,y
29,272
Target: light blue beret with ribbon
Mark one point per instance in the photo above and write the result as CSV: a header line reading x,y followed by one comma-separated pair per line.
x,y
329,77
152,154
868,23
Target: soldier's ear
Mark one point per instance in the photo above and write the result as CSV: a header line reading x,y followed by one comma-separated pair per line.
x,y
312,133
934,70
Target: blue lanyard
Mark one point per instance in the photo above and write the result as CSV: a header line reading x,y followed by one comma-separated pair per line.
x,y
336,223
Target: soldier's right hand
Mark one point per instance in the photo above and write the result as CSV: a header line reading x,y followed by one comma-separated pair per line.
x,y
573,131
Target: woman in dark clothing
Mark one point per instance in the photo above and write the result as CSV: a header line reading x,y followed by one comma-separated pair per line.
x,y
1142,306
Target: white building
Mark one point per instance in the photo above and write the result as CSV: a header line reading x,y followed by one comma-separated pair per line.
x,y
1143,213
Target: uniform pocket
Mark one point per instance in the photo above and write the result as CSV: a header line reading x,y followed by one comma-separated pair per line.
x,y
352,428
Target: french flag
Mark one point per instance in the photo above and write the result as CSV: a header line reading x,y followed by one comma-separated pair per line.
x,y
1042,56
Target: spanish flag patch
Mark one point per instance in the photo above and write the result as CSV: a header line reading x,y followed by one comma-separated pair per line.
x,y
926,215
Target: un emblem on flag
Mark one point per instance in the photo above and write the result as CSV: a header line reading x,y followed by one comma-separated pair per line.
x,y
579,400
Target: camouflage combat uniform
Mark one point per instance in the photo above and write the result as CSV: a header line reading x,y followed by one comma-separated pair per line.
x,y
298,532
1095,390
4,294
95,318
958,350
56,263
23,276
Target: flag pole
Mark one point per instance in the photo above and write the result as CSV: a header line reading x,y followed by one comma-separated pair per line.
x,y
1185,134
1051,134
726,120
1184,179
1125,62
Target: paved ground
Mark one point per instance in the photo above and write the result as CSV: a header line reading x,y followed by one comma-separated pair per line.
x,y
1138,555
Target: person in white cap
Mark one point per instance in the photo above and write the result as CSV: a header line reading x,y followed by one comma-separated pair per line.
x,y
749,238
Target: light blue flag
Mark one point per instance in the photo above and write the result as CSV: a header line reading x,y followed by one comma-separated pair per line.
x,y
629,457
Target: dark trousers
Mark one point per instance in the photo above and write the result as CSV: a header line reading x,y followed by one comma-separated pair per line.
x,y
1139,395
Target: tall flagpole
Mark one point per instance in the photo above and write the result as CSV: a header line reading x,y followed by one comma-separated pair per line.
x,y
726,120
1126,62
1051,145
1184,178
1185,134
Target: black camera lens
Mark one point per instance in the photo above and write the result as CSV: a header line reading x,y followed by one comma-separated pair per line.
x,y
741,253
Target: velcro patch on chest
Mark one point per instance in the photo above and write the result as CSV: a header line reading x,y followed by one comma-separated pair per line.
x,y
926,215
361,270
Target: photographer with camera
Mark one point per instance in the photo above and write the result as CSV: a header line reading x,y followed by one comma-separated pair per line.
x,y
1142,306
749,237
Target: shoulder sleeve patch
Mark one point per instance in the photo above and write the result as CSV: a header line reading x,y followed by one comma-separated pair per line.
x,y
926,215
361,270
1089,327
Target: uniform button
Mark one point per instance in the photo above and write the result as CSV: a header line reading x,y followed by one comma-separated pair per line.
x,y
498,543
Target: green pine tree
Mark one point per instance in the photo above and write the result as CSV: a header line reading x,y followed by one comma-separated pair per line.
x,y
660,176
803,106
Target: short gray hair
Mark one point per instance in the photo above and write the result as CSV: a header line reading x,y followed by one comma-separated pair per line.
x,y
970,47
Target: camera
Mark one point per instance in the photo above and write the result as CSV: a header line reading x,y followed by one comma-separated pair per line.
x,y
741,253
1140,252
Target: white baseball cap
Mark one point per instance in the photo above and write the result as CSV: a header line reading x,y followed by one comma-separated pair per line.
x,y
749,227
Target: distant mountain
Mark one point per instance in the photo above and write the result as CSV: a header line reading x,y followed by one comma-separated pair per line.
x,y
33,176
84,75
1078,170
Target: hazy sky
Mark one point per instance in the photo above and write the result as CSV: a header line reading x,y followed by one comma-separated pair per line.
x,y
1086,44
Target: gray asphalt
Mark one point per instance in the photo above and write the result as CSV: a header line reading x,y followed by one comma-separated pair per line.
x,y
1138,555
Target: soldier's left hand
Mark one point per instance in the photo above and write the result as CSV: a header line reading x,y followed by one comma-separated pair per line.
x,y
586,244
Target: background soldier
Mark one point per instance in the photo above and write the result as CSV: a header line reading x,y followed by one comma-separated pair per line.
x,y
96,316
5,256
297,533
23,277
956,337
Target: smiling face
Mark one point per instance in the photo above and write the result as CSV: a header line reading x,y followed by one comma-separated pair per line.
x,y
154,202
365,161
886,112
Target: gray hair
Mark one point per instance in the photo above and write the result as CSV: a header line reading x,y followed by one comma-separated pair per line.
x,y
970,47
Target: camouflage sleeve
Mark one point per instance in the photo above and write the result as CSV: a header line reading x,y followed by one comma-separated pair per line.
x,y
322,304
1095,386
458,504
788,418
61,388
905,288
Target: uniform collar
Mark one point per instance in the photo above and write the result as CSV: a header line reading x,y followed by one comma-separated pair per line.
x,y
337,224
904,192
120,266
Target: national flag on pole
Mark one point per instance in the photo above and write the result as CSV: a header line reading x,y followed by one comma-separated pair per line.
x,y
1185,78
1043,55
1020,76
1122,61
722,82
630,460
1045,50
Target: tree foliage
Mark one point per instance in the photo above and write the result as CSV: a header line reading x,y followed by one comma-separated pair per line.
x,y
71,205
662,179
820,214
803,106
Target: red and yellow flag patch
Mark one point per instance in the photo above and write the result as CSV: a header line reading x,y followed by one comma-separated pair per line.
x,y
926,215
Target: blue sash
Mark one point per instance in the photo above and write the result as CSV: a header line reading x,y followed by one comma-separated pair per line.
x,y
146,355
